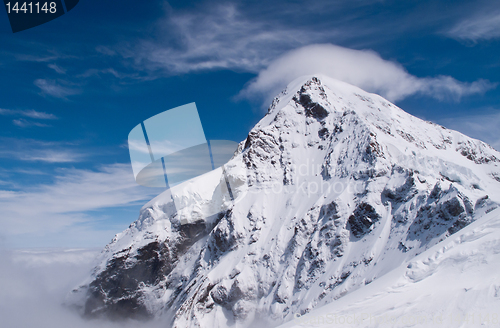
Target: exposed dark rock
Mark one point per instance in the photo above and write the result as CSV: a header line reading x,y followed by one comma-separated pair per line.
x,y
323,133
481,202
402,193
474,153
408,137
328,212
458,225
236,293
362,219
452,208
312,109
436,191
441,216
115,292
220,295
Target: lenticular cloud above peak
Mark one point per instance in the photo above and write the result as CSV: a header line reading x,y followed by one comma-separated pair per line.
x,y
363,68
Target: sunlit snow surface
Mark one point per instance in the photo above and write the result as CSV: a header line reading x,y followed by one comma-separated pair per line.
x,y
395,186
453,284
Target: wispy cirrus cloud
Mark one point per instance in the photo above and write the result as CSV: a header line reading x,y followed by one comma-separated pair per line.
x,y
57,68
483,26
7,172
38,59
52,156
220,37
39,151
363,68
23,123
55,89
227,37
31,113
122,77
64,205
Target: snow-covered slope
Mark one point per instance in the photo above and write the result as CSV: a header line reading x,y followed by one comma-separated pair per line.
x,y
333,188
453,284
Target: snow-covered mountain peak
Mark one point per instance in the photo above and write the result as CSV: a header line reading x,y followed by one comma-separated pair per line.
x,y
332,189
320,119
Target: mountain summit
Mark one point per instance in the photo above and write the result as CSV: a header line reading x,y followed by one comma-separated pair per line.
x,y
332,189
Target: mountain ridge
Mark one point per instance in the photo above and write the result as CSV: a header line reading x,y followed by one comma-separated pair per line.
x,y
380,187
451,284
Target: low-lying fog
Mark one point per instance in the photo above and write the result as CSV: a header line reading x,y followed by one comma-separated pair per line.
x,y
35,283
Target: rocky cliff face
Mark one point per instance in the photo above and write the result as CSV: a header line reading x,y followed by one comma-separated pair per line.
x,y
332,189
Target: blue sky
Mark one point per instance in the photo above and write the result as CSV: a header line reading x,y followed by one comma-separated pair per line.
x,y
72,89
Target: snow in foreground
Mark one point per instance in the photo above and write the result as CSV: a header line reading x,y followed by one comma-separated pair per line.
x,y
453,284
456,283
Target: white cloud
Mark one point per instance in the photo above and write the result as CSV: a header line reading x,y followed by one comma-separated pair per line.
x,y
480,27
219,37
28,113
39,151
22,123
7,172
76,207
54,89
38,115
105,50
57,68
363,68
64,205
52,156
39,59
